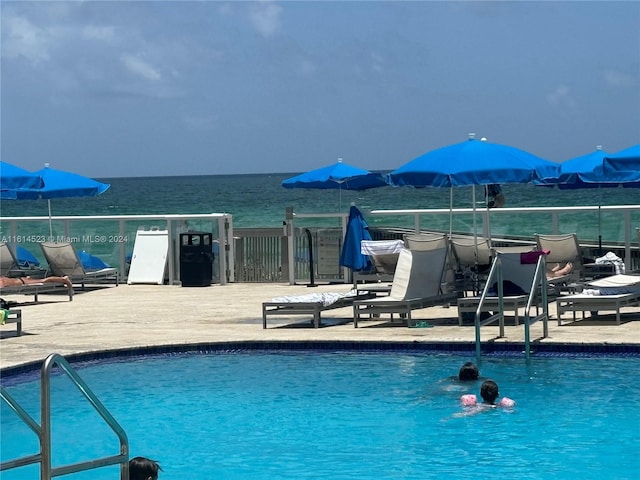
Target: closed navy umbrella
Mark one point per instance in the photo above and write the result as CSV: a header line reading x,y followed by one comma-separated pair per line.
x,y
357,230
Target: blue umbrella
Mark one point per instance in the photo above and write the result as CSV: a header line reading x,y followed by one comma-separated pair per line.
x,y
624,164
60,184
473,162
340,176
337,176
357,230
587,171
13,177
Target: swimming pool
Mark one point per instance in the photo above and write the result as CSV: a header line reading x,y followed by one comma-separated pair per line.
x,y
343,415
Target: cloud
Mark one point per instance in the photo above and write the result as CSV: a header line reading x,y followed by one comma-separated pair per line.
x,y
265,17
22,39
140,68
614,78
561,97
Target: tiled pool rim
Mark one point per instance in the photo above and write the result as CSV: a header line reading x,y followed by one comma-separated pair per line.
x,y
464,348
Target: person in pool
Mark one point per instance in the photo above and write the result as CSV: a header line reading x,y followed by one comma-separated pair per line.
x,y
468,372
489,392
141,468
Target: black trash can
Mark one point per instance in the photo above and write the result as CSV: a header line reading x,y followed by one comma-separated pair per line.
x,y
196,259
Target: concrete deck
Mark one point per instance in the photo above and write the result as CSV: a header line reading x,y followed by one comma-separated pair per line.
x,y
150,315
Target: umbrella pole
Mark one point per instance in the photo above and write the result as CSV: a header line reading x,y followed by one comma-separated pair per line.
x,y
50,224
450,211
599,221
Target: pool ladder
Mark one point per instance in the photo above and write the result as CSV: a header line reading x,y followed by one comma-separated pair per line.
x,y
43,431
539,281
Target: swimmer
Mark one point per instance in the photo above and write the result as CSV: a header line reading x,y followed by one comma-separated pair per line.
x,y
489,393
141,468
468,372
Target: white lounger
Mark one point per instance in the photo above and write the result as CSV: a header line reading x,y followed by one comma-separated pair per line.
x,y
417,284
312,304
606,294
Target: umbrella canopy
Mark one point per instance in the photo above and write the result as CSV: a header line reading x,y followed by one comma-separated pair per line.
x,y
337,176
62,184
58,184
357,230
473,162
13,177
625,164
587,171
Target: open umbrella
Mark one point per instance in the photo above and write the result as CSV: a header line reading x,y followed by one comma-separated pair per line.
x,y
357,230
60,184
625,164
586,171
339,176
473,162
13,177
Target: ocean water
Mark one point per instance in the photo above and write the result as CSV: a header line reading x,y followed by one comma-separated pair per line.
x,y
260,201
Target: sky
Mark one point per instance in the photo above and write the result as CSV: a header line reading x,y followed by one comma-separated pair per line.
x,y
160,88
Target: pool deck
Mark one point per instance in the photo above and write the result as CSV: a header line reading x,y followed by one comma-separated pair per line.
x,y
130,316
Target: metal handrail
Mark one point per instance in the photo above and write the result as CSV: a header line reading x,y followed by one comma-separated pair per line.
x,y
44,431
539,279
30,422
496,270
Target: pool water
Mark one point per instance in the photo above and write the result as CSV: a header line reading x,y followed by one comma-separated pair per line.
x,y
342,415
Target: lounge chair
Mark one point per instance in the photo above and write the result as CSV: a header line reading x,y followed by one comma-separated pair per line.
x,y
417,284
473,256
518,275
384,256
562,249
10,267
425,241
605,294
311,304
63,261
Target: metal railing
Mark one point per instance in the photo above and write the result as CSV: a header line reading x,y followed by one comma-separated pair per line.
x,y
539,286
43,431
539,281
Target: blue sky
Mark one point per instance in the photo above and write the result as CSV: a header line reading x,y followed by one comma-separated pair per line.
x,y
112,89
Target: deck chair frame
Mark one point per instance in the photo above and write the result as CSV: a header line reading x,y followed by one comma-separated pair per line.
x,y
9,267
63,260
417,284
582,302
510,303
314,309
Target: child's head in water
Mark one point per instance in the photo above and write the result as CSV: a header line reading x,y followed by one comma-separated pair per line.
x,y
141,468
489,392
468,372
